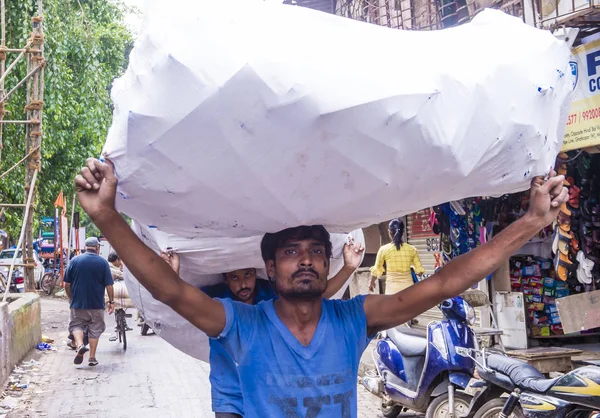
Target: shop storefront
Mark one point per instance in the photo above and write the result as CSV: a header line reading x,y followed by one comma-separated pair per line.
x,y
562,260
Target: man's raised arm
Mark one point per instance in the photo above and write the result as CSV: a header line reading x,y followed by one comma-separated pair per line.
x,y
96,189
384,312
352,257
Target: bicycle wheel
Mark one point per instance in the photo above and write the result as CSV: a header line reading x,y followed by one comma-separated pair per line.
x,y
47,283
124,331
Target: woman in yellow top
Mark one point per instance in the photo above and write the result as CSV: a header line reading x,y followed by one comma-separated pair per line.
x,y
398,257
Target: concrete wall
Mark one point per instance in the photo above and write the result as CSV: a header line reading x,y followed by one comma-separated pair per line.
x,y
5,367
20,324
359,285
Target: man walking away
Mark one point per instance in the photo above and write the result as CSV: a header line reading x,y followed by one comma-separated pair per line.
x,y
86,279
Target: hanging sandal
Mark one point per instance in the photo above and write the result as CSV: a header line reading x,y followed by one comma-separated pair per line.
x,y
562,170
562,158
434,223
555,241
574,196
446,245
562,266
574,243
564,238
564,217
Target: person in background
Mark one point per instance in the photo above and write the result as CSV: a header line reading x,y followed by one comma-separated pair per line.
x,y
116,270
120,291
244,286
86,279
116,266
398,257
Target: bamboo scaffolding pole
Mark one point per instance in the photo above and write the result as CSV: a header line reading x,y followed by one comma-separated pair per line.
x,y
11,66
18,122
33,138
2,66
22,235
33,51
19,162
17,265
20,83
71,237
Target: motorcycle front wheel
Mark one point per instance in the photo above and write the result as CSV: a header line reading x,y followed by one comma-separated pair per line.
x,y
439,408
390,411
493,408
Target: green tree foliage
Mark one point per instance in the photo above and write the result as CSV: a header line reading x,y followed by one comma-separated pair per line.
x,y
86,48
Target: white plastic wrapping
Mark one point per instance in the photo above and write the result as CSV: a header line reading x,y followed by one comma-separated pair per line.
x,y
203,260
239,117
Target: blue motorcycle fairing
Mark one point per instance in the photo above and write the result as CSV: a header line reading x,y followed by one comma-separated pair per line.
x,y
455,309
460,335
460,379
391,358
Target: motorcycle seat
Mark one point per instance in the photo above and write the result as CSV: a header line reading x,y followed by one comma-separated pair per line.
x,y
520,373
408,345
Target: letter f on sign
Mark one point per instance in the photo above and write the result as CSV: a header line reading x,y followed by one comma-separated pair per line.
x,y
593,61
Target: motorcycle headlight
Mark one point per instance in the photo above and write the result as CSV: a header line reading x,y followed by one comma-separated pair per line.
x,y
437,339
471,315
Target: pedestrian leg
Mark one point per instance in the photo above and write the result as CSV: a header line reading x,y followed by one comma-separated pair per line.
x,y
81,349
93,347
78,337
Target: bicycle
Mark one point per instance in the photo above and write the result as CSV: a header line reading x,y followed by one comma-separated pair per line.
x,y
121,328
49,281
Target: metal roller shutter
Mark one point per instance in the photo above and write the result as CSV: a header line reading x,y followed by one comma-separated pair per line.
x,y
420,235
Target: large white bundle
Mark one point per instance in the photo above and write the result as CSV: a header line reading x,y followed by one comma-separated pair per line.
x,y
239,117
203,260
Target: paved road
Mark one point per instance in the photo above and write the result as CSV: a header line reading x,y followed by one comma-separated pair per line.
x,y
152,379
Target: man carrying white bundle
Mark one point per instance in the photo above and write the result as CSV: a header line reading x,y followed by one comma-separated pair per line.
x,y
244,286
298,356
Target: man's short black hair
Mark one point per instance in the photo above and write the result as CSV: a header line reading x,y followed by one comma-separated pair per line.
x,y
112,257
271,242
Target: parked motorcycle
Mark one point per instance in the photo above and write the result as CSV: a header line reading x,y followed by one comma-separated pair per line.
x,y
422,373
17,283
532,395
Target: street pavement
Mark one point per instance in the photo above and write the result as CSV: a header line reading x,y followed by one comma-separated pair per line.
x,y
151,379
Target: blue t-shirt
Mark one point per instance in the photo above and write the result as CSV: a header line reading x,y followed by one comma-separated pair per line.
x,y
282,378
225,387
89,274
